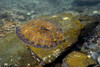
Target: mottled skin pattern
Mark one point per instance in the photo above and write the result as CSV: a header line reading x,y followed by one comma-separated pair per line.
x,y
40,33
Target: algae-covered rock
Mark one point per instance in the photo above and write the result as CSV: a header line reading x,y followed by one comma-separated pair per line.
x,y
77,59
13,52
45,40
70,26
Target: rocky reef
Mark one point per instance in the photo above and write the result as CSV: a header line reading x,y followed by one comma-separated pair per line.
x,y
49,33
18,49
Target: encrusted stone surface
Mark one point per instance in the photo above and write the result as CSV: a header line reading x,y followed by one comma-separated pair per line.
x,y
77,59
71,27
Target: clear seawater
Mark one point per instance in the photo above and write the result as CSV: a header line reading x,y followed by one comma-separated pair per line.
x,y
23,10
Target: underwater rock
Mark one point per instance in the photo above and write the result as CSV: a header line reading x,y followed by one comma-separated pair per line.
x,y
14,53
89,23
7,27
70,26
14,15
66,24
91,46
77,59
